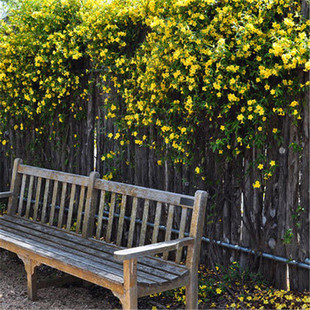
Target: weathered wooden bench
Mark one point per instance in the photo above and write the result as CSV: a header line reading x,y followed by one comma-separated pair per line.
x,y
96,230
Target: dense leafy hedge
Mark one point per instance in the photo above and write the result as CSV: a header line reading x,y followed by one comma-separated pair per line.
x,y
198,74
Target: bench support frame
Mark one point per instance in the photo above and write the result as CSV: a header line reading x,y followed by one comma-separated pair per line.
x,y
30,266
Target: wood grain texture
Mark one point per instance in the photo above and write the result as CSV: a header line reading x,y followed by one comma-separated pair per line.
x,y
15,187
129,273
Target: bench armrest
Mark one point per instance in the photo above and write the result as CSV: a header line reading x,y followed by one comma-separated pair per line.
x,y
152,249
6,194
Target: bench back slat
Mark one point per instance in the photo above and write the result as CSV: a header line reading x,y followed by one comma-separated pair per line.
x,y
53,206
37,199
157,222
62,205
29,199
169,227
100,214
132,222
121,220
80,209
45,200
71,205
144,222
111,218
22,191
181,233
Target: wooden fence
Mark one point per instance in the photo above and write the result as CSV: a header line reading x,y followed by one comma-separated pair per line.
x,y
274,220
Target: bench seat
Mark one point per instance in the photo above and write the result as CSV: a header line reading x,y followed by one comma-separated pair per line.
x,y
68,251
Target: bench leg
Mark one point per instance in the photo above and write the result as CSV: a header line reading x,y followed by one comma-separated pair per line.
x,y
192,292
30,266
130,298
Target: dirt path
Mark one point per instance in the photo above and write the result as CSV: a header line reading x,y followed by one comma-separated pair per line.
x,y
13,290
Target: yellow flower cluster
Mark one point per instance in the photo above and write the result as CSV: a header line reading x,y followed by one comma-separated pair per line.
x,y
191,74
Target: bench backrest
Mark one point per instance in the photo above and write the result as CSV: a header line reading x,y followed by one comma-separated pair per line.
x,y
123,214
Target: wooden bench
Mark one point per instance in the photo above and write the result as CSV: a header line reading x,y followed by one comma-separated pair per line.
x,y
104,232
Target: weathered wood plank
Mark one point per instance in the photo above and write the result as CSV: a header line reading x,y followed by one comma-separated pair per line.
x,y
50,252
121,221
156,262
144,222
45,199
156,222
80,210
90,206
71,206
145,193
62,205
37,199
88,273
169,228
181,233
87,251
30,188
54,175
130,300
146,275
22,192
193,255
100,214
5,194
152,249
52,212
14,188
111,217
132,222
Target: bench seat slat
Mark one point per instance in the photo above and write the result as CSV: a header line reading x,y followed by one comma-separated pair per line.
x,y
39,249
95,258
104,249
145,273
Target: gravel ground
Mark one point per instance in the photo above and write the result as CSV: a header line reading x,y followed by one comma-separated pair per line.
x,y
13,290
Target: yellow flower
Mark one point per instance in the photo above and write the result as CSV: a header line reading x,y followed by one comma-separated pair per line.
x,y
218,291
197,170
272,163
256,184
4,142
222,127
274,130
260,166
